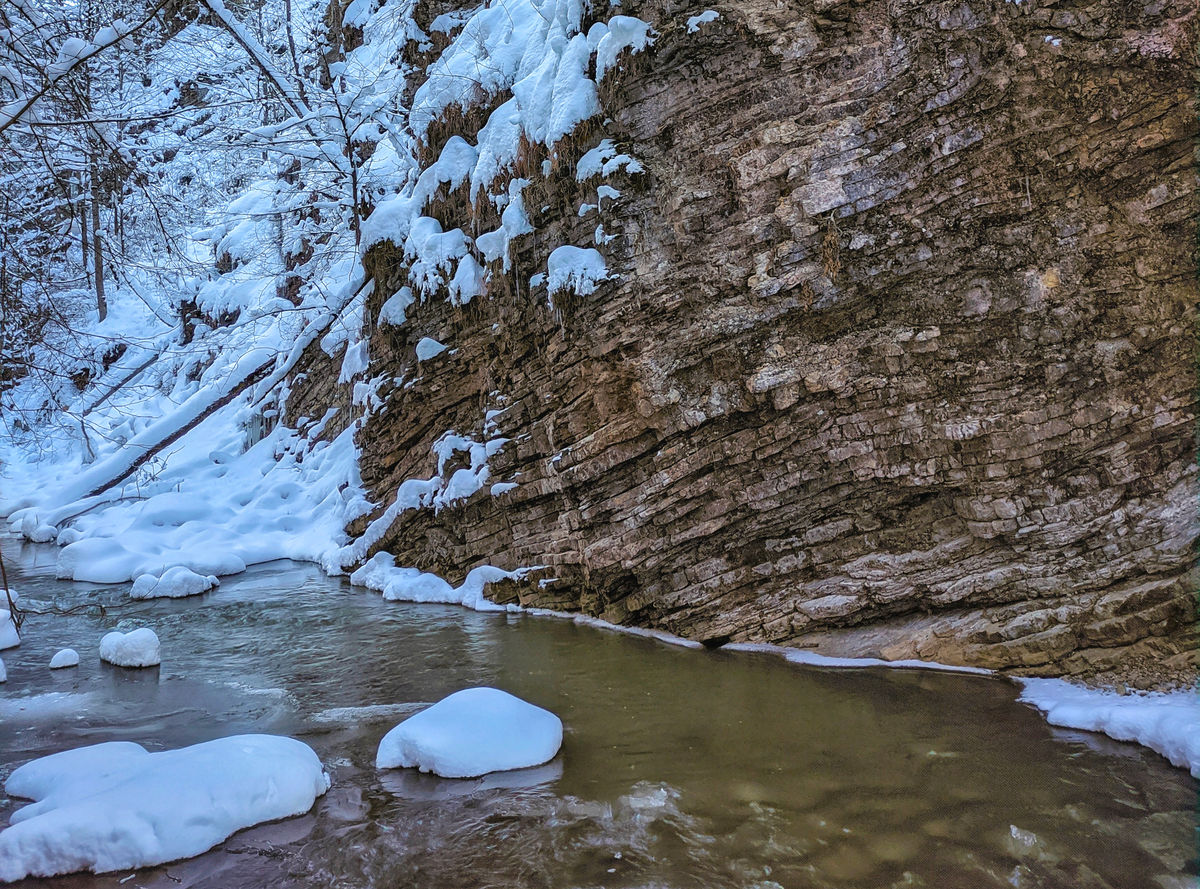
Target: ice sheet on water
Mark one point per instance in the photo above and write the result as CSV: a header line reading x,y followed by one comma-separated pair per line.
x,y
1166,722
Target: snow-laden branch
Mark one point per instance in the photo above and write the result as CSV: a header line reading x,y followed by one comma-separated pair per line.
x,y
258,55
74,52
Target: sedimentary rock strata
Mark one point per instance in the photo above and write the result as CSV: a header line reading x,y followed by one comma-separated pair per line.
x,y
898,353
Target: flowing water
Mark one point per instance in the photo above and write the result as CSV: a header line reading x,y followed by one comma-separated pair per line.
x,y
679,768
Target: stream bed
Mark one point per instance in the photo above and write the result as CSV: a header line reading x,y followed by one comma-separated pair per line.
x,y
680,768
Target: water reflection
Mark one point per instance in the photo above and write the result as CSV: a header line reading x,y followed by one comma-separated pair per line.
x,y
413,785
679,768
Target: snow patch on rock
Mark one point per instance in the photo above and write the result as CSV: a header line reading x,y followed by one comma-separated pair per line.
x,y
694,23
412,585
578,269
428,348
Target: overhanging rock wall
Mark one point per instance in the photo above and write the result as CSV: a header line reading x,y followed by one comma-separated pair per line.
x,y
899,354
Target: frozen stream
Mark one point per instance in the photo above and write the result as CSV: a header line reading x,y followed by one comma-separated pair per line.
x,y
680,768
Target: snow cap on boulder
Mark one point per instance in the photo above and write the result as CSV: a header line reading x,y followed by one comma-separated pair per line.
x,y
473,732
174,583
115,806
136,649
68,657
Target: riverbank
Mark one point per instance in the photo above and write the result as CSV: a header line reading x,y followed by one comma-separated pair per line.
x,y
701,768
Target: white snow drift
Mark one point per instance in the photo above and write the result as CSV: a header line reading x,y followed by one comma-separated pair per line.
x,y
135,649
473,732
67,657
116,806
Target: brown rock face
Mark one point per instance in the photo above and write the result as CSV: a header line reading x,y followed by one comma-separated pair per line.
x,y
900,359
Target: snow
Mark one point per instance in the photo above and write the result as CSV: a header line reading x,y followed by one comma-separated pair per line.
x,y
395,309
473,732
1166,722
694,23
578,269
436,492
9,638
533,50
411,585
174,583
67,657
623,33
604,160
428,347
104,560
468,282
3,672
138,648
115,806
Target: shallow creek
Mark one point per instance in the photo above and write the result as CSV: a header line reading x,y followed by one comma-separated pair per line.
x,y
680,768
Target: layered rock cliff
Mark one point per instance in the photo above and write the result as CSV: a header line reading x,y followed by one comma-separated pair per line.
x,y
896,356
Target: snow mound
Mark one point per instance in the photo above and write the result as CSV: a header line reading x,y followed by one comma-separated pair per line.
x,y
8,631
473,732
135,649
1167,723
68,657
116,806
174,584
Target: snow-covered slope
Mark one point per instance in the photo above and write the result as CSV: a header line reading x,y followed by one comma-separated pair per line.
x,y
181,446
154,466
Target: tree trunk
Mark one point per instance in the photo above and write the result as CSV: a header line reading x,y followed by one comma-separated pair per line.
x,y
83,236
98,255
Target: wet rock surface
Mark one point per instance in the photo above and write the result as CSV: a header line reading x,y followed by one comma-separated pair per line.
x,y
898,361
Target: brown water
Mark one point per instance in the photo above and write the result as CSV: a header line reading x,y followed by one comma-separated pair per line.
x,y
680,768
